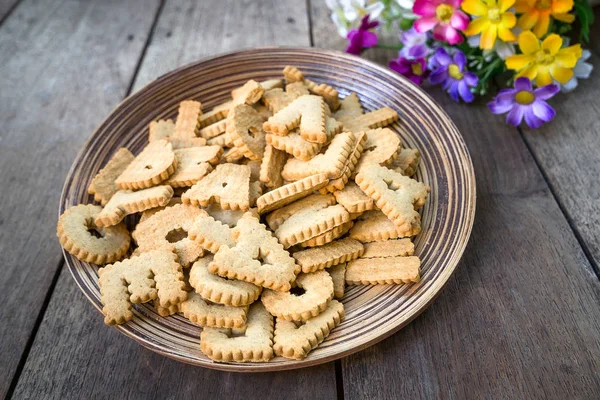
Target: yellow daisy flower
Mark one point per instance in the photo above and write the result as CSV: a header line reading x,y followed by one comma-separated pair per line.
x,y
545,60
537,13
493,21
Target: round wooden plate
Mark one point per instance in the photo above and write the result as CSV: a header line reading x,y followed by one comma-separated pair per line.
x,y
372,312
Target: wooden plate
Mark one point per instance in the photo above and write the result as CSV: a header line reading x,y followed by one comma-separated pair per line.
x,y
372,312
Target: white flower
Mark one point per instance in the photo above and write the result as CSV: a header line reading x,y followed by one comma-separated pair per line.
x,y
355,10
406,4
582,70
503,49
337,16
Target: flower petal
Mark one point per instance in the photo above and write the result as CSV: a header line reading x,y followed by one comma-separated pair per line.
x,y
446,33
583,70
505,4
438,76
506,96
375,9
488,37
542,24
531,120
460,60
453,91
424,8
442,57
518,61
399,67
369,39
506,34
476,26
498,108
568,18
523,85
569,86
543,76
474,7
523,6
459,20
515,116
552,43
453,3
543,111
560,74
529,19
470,78
562,6
425,24
508,20
546,92
528,43
529,72
465,92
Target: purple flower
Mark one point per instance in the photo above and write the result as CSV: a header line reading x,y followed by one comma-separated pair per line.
x,y
523,101
415,70
451,72
415,44
362,37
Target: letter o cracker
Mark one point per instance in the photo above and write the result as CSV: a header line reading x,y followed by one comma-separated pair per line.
x,y
318,292
74,230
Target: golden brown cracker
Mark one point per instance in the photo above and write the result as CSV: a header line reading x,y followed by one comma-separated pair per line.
x,y
407,162
374,226
244,126
338,276
382,147
333,253
353,199
315,201
328,236
349,165
152,166
193,164
139,280
213,130
103,186
228,185
373,271
307,112
210,233
271,166
249,93
206,314
75,232
160,129
350,108
371,120
389,248
187,122
184,143
289,193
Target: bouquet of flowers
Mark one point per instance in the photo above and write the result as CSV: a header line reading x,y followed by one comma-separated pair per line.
x,y
472,47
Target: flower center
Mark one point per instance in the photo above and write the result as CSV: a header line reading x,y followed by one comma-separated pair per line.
x,y
454,72
444,12
524,97
543,4
544,57
416,69
494,14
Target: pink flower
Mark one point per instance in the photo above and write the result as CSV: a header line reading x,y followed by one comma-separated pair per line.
x,y
444,17
362,37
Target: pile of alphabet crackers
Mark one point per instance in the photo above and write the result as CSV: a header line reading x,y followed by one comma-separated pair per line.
x,y
254,216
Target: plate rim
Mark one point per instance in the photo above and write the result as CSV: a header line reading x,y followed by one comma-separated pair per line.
x,y
449,270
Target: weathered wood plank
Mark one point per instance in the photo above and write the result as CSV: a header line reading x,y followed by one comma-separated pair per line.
x,y
64,66
567,152
6,6
95,360
519,319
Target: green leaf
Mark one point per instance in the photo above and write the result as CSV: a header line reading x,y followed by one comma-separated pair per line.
x,y
585,14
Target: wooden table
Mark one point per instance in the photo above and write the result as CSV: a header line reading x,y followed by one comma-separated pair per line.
x,y
520,318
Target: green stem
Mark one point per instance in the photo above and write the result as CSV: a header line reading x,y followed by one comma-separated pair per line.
x,y
382,46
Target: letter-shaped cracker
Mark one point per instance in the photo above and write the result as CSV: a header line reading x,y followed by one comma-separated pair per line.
x,y
309,223
295,145
148,213
255,344
277,99
186,125
213,130
371,120
244,126
184,143
328,255
318,292
396,195
293,74
161,129
353,199
332,162
389,248
193,164
257,257
228,217
380,271
220,290
307,112
289,193
139,280
73,231
152,166
126,202
249,93
103,186
349,165
338,276
271,166
295,342
315,201
168,229
228,185
328,236
210,234
382,147
350,108
375,226
218,113
407,162
202,313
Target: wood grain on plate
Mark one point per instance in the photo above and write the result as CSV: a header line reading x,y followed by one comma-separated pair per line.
x,y
372,313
